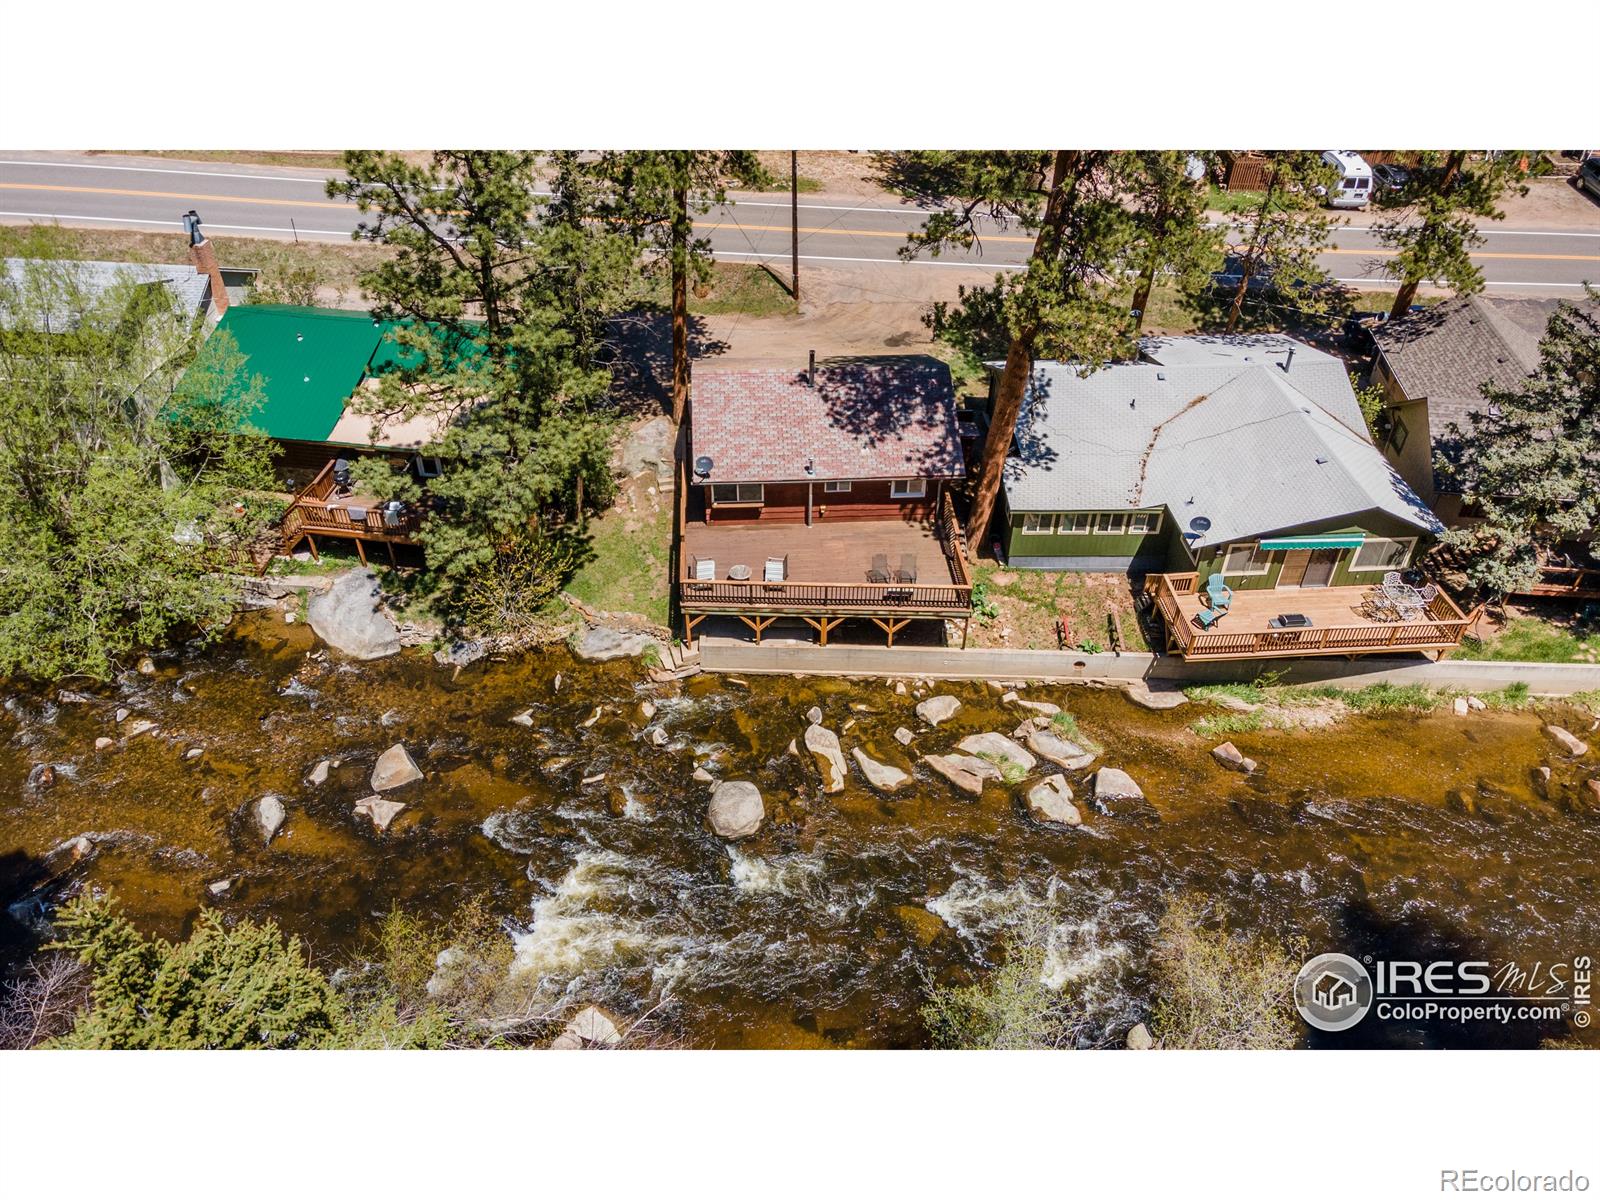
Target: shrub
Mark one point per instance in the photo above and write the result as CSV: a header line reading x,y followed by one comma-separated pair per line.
x,y
1011,1008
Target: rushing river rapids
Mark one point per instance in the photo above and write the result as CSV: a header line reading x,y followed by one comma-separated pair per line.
x,y
1397,836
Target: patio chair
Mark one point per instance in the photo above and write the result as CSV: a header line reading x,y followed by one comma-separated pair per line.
x,y
908,569
1428,593
879,571
1207,617
705,568
1219,593
777,570
1390,578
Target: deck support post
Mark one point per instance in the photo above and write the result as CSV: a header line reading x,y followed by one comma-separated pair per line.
x,y
822,625
690,620
758,624
314,555
393,561
891,627
361,550
966,627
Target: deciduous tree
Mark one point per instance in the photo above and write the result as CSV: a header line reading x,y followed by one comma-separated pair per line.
x,y
1431,222
1530,460
654,196
1061,305
1286,228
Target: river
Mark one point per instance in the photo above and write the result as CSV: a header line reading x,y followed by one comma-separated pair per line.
x,y
1399,836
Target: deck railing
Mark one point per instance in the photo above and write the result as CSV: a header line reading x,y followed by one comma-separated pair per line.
x,y
1580,582
1444,628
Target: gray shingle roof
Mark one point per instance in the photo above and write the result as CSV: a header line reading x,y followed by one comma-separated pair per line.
x,y
1237,443
1447,352
189,288
880,417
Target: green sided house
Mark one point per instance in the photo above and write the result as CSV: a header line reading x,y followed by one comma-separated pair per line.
x,y
1240,457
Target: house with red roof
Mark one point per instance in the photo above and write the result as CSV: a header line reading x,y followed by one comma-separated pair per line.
x,y
822,494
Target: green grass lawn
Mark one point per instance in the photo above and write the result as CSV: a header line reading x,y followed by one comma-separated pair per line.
x,y
804,183
734,288
1027,603
1534,639
627,568
1237,201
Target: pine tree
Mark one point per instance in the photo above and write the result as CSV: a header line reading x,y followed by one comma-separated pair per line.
x,y
1531,459
1287,230
1431,223
1172,238
654,196
1061,305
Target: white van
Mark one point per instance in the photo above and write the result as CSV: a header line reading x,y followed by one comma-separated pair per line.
x,y
1354,188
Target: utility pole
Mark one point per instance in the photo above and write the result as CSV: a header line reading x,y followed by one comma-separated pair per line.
x,y
794,221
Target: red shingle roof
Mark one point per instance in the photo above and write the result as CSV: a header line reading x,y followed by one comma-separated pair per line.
x,y
886,417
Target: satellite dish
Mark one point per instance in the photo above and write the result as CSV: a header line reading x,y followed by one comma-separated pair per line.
x,y
1200,524
702,465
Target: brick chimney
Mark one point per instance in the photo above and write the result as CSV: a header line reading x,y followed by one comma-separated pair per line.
x,y
205,261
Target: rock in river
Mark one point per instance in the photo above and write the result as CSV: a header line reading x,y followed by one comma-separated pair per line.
x,y
1567,741
814,715
378,810
1112,784
1051,800
903,736
348,617
824,746
393,769
1161,696
319,773
1139,1038
591,1029
602,645
883,776
998,745
1228,755
736,809
1064,752
966,772
1043,707
938,708
269,814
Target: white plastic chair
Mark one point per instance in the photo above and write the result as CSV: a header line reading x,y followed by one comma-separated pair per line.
x,y
705,568
774,571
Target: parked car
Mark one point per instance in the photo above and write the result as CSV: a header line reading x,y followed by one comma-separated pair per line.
x,y
1390,177
1588,176
1354,186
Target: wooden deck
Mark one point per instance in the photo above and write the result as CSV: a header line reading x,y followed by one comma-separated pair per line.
x,y
316,511
826,573
1576,583
1338,623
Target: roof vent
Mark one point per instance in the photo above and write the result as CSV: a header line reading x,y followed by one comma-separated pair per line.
x,y
1161,374
1321,461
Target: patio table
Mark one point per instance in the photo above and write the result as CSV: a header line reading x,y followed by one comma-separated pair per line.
x,y
740,571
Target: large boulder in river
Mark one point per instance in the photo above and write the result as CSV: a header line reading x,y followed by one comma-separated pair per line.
x,y
378,810
1228,755
883,776
824,746
591,1029
1112,784
602,645
393,769
998,745
1158,697
348,616
269,816
1064,752
966,772
736,809
1050,800
938,708
1567,741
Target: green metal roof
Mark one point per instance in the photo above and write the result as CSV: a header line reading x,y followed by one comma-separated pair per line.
x,y
311,361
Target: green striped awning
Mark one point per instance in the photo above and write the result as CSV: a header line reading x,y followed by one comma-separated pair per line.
x,y
1326,541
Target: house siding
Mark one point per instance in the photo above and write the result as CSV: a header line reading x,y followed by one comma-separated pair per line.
x,y
1375,524
1161,550
786,502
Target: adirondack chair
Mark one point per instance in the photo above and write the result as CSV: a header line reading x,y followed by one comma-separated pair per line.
x,y
1219,593
1207,617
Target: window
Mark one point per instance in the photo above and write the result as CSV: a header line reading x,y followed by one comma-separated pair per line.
x,y
1078,523
836,485
1111,522
1037,523
1383,554
1144,522
1398,433
907,489
1246,558
737,493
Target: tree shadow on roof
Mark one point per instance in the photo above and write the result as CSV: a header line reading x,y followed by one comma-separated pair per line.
x,y
877,398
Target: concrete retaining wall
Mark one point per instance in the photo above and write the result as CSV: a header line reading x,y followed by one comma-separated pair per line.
x,y
937,662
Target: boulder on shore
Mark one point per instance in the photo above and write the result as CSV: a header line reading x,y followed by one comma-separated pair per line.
x,y
591,1029
1567,741
1161,696
348,616
966,772
736,809
1113,784
1050,800
601,644
378,810
1064,752
1139,1038
883,776
998,745
824,746
393,769
269,815
938,708
1228,755
1043,707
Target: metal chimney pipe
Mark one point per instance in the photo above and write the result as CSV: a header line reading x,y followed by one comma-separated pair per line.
x,y
1288,358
